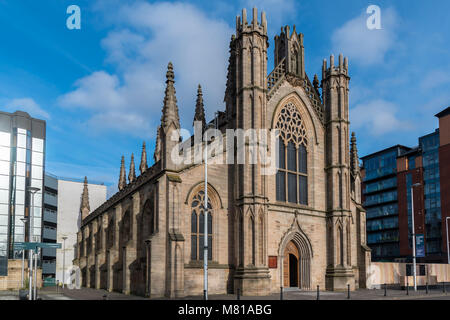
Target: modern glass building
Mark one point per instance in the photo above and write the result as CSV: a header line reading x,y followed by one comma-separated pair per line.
x,y
22,158
429,145
399,177
379,191
49,227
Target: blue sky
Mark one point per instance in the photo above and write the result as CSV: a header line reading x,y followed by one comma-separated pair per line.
x,y
101,88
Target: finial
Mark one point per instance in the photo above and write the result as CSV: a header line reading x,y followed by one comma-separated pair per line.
x,y
85,195
143,164
157,153
332,62
346,63
354,160
170,75
244,17
122,176
341,64
316,83
238,24
287,29
264,21
170,108
85,208
255,17
199,109
132,173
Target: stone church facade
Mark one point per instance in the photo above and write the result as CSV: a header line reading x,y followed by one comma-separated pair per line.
x,y
300,227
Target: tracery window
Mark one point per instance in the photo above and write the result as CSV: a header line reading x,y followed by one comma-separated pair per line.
x,y
198,227
292,178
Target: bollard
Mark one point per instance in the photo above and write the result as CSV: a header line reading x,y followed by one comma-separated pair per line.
x,y
407,289
204,294
348,291
239,294
318,295
443,287
426,287
281,293
385,290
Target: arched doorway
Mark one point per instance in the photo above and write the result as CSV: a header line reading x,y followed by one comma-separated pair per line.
x,y
291,266
293,270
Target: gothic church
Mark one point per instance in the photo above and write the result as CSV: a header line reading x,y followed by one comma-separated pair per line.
x,y
300,227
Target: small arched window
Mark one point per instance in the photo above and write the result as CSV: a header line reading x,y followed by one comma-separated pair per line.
x,y
198,227
292,174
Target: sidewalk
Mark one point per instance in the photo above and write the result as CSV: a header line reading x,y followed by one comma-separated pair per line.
x,y
51,293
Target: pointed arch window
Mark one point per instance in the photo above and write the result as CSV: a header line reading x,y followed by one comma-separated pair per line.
x,y
198,227
292,174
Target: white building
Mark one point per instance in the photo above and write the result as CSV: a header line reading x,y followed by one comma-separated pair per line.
x,y
70,193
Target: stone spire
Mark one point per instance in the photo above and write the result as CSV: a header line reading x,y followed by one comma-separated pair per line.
x,y
199,109
122,177
354,159
85,208
170,108
132,174
143,165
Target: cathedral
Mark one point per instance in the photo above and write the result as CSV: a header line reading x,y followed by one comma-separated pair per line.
x,y
300,226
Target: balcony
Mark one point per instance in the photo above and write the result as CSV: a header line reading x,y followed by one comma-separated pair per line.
x,y
49,233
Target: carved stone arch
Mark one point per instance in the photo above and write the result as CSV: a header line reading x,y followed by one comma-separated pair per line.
x,y
251,227
339,242
213,194
306,114
298,237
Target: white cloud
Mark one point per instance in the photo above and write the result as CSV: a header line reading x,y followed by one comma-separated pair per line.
x,y
28,105
145,38
377,117
435,78
364,46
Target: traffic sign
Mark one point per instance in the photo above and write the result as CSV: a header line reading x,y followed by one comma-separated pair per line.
x,y
35,245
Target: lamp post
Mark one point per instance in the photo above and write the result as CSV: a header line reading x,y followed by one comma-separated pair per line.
x,y
414,235
64,261
448,249
24,220
205,233
33,191
38,251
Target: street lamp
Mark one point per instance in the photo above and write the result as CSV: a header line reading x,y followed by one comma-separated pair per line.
x,y
24,220
33,191
414,235
64,260
205,223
